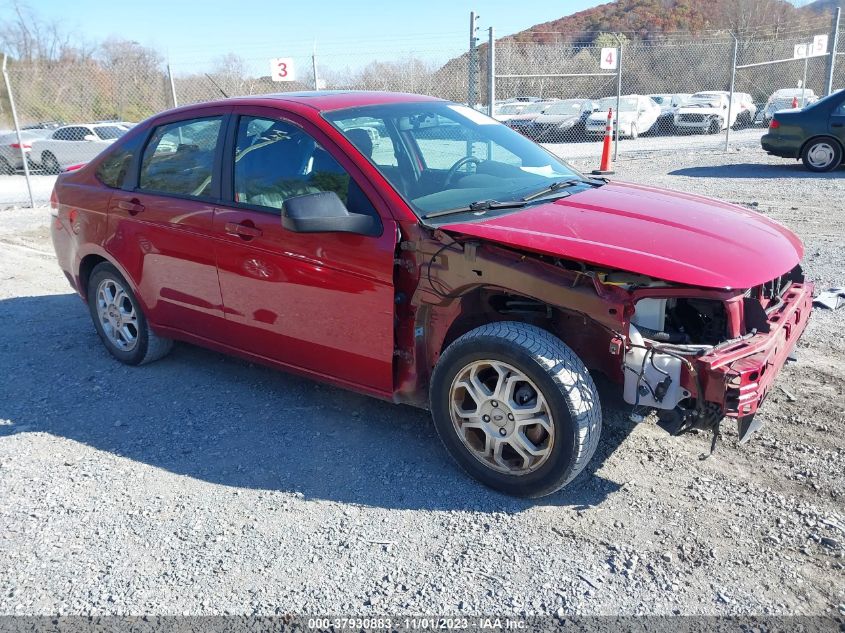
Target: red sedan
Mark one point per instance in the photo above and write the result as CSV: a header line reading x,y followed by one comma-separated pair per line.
x,y
418,251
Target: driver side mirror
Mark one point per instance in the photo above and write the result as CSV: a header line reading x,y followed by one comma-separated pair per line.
x,y
90,137
325,213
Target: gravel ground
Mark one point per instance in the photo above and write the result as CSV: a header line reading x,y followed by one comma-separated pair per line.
x,y
202,484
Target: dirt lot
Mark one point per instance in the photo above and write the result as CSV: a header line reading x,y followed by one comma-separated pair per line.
x,y
203,484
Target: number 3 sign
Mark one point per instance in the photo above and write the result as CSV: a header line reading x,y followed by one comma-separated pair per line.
x,y
281,69
608,59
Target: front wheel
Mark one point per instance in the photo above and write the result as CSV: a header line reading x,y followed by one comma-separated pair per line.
x,y
516,408
714,127
823,154
50,164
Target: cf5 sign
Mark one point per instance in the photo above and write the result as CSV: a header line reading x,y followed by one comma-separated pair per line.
x,y
609,58
281,69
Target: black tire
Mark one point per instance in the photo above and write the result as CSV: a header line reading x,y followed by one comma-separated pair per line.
x,y
635,133
814,152
50,164
5,167
714,126
148,345
561,378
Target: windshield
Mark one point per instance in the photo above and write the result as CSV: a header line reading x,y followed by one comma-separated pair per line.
x,y
535,108
626,104
706,99
511,108
568,106
109,132
660,99
442,156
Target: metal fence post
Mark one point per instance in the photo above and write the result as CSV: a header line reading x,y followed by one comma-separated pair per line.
x,y
18,132
834,47
314,66
731,96
472,71
491,72
172,87
618,97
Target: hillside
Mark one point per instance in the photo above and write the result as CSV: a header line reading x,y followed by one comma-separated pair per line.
x,y
649,19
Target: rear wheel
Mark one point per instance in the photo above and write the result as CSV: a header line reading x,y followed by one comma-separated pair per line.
x,y
635,133
50,164
121,324
516,408
822,154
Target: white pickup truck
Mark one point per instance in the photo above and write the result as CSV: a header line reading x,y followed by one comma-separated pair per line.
x,y
708,112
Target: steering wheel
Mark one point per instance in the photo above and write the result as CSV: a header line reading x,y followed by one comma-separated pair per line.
x,y
453,170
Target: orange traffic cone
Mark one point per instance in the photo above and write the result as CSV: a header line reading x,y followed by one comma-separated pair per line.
x,y
606,167
794,102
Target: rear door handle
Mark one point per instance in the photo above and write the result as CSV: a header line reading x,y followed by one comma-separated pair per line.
x,y
243,230
837,125
133,206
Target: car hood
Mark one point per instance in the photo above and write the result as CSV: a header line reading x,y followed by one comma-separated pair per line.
x,y
667,235
556,118
700,110
601,117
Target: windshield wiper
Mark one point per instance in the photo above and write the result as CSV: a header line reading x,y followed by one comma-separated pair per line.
x,y
557,186
478,207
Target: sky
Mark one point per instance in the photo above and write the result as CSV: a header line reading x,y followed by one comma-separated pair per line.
x,y
189,32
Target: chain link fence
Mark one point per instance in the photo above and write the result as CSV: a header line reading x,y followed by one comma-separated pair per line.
x,y
550,89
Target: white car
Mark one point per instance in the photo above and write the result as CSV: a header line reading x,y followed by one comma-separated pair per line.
x,y
784,98
637,114
506,111
73,144
708,112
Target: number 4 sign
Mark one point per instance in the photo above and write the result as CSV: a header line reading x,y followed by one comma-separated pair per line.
x,y
609,58
281,69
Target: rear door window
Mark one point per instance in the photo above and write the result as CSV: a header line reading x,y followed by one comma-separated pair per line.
x,y
179,158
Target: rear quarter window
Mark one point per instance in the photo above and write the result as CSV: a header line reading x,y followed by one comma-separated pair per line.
x,y
115,168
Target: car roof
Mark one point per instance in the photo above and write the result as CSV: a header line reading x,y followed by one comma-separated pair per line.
x,y
324,100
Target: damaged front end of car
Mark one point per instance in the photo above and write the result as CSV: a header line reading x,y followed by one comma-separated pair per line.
x,y
696,356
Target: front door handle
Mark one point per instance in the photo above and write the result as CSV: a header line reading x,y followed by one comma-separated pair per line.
x,y
134,207
246,231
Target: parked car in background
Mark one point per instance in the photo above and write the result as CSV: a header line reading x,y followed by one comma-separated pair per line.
x,y
506,111
73,144
784,98
669,103
708,112
10,149
485,280
43,125
638,113
815,134
522,121
561,121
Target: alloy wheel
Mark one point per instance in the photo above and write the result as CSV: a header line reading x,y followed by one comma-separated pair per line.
x,y
501,417
117,314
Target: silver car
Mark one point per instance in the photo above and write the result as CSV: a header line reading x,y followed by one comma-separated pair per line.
x,y
11,158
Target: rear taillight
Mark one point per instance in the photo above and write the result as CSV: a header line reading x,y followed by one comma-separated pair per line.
x,y
54,204
775,124
18,146
75,167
